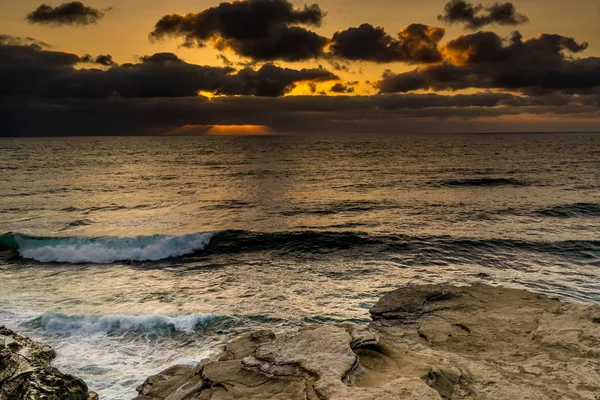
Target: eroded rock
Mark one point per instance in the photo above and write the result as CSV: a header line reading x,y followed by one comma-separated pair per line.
x,y
426,342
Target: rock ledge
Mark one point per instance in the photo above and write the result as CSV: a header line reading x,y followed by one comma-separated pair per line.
x,y
425,342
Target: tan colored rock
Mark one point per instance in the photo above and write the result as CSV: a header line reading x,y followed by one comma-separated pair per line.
x,y
507,343
426,342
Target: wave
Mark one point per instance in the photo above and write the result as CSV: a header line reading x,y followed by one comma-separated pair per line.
x,y
60,324
480,182
571,210
328,241
160,247
103,250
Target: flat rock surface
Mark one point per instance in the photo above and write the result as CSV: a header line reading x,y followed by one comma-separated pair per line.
x,y
26,373
425,342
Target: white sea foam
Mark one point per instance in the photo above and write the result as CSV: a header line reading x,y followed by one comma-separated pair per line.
x,y
110,249
96,349
54,323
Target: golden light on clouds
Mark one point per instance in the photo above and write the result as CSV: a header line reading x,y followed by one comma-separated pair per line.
x,y
208,95
457,56
304,88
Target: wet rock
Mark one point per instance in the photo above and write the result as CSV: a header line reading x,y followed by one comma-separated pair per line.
x,y
26,373
426,342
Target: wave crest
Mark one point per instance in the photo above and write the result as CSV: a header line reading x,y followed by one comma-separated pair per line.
x,y
296,243
105,250
56,323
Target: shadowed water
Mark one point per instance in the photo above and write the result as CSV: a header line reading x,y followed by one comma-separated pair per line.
x,y
129,254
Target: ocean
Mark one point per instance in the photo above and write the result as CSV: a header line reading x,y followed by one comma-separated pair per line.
x,y
130,254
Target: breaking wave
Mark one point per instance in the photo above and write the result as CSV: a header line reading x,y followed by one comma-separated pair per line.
x,y
103,250
61,324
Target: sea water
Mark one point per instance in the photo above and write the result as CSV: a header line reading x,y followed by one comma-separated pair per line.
x,y
130,254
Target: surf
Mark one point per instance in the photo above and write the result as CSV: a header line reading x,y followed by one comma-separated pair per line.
x,y
112,249
51,323
103,250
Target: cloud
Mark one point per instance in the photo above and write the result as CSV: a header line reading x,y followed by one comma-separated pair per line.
x,y
271,80
416,43
269,30
294,114
537,65
9,40
490,48
28,54
264,30
49,92
32,70
347,87
73,13
478,16
103,59
226,61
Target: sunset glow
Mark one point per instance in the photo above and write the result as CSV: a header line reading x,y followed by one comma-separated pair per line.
x,y
221,130
244,130
174,68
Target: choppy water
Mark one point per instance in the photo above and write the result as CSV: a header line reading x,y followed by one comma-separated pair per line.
x,y
130,254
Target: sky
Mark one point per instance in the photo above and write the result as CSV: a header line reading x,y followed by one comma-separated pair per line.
x,y
153,67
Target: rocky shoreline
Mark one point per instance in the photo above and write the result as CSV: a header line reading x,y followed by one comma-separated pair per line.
x,y
425,342
26,372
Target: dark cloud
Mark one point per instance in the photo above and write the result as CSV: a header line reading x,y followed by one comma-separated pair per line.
x,y
264,30
27,68
270,80
23,55
103,59
483,60
489,48
73,13
301,114
9,40
477,16
226,61
162,58
347,87
416,43
48,92
268,30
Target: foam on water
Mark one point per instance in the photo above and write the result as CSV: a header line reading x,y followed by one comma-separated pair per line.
x,y
115,353
109,249
55,323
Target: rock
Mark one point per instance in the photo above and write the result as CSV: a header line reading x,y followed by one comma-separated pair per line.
x,y
426,342
26,373
507,343
176,383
